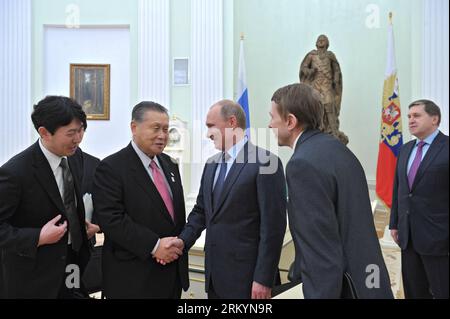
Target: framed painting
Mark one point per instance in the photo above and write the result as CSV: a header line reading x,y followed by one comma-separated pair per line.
x,y
89,86
180,71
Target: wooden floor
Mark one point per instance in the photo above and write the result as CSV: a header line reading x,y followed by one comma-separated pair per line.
x,y
381,219
392,255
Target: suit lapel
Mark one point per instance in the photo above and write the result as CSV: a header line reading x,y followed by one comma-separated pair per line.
x,y
210,174
175,186
46,178
76,168
235,171
142,178
433,151
403,162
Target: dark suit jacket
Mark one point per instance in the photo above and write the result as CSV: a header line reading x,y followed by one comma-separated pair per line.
x,y
89,165
92,277
133,216
29,199
331,220
244,234
421,214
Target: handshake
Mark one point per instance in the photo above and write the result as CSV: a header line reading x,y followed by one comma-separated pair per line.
x,y
169,250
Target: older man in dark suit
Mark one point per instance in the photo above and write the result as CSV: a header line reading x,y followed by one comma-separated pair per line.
x,y
242,206
420,206
139,202
337,250
42,223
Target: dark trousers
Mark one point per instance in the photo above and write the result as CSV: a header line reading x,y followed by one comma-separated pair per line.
x,y
71,293
212,292
424,277
2,293
177,288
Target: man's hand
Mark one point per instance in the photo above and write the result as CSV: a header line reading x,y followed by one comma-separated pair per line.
x,y
261,292
394,234
169,250
91,229
51,233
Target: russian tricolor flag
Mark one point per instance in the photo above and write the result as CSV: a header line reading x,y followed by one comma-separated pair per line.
x,y
242,90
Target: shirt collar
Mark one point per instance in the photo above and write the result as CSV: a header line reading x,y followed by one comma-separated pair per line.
x,y
236,149
145,159
430,139
53,159
296,141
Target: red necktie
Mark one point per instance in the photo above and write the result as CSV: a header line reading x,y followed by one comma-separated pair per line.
x,y
161,185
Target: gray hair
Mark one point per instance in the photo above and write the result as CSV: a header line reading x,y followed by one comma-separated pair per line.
x,y
139,110
230,108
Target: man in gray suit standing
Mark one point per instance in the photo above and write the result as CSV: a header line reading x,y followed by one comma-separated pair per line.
x,y
337,250
242,205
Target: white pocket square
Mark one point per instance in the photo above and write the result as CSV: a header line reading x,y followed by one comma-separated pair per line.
x,y
88,206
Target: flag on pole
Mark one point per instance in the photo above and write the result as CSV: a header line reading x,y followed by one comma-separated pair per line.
x,y
391,127
242,90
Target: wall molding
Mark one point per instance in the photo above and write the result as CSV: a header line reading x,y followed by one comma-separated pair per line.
x,y
154,51
435,58
207,59
15,77
89,26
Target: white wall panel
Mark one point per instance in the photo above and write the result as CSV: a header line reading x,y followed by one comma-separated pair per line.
x,y
15,77
100,45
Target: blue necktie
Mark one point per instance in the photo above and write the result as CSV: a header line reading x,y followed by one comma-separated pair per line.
x,y
220,181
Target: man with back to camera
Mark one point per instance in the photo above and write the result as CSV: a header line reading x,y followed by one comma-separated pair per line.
x,y
337,253
42,223
139,202
242,206
420,206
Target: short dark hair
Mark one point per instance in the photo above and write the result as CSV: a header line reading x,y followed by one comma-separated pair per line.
x,y
54,112
303,102
139,110
430,107
230,108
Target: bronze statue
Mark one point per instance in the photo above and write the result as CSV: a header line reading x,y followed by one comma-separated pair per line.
x,y
320,69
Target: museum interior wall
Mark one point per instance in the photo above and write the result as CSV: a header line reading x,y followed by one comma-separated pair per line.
x,y
141,39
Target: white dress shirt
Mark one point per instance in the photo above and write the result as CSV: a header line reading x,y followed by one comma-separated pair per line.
x,y
146,161
296,141
428,141
55,161
232,155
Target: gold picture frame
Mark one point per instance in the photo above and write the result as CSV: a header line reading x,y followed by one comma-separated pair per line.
x,y
90,87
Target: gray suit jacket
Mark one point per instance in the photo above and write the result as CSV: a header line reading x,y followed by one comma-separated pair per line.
x,y
244,235
331,220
